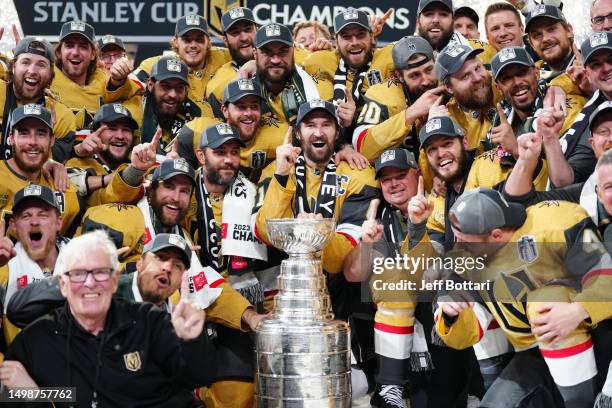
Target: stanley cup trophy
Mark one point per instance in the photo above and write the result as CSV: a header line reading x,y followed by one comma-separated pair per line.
x,y
302,355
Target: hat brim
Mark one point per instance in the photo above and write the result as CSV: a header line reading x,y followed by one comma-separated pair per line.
x,y
531,20
391,164
508,63
428,138
250,20
429,3
90,40
220,142
177,173
300,119
116,44
168,75
49,125
114,117
343,26
467,12
238,97
188,29
588,56
186,258
461,60
597,114
25,199
271,40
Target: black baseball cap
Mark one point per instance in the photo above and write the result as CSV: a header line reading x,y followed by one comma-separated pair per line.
x,y
316,104
216,135
78,27
467,12
351,16
164,241
112,112
481,210
190,22
235,14
594,43
510,56
604,107
239,88
541,11
170,67
109,39
271,33
423,4
439,126
171,168
451,59
396,157
35,192
33,45
32,110
407,47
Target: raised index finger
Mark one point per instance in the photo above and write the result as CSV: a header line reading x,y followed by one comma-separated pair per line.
x,y
2,227
578,54
373,209
287,139
385,16
421,187
156,138
185,285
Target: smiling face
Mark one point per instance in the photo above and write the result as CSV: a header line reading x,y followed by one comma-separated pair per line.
x,y
398,186
117,138
435,24
471,85
192,48
244,115
221,164
317,135
354,43
31,140
76,54
601,136
599,71
420,79
551,40
32,73
504,29
170,199
159,274
274,62
36,225
239,41
168,96
446,156
519,86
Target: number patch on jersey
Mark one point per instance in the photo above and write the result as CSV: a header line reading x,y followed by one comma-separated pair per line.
x,y
370,114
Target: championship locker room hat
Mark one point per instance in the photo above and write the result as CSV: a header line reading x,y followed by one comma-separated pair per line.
x,y
31,110
541,11
273,32
407,47
163,241
423,4
239,88
35,192
316,104
33,45
170,67
216,135
108,40
604,107
481,210
398,158
112,112
439,126
190,22
510,56
465,11
234,15
351,16
78,27
171,168
451,59
594,43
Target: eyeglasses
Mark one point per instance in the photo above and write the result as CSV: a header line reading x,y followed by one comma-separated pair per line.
x,y
80,275
599,20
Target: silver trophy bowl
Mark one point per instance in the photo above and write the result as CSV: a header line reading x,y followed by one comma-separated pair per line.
x,y
302,354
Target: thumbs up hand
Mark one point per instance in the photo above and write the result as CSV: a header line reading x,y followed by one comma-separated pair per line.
x,y
503,134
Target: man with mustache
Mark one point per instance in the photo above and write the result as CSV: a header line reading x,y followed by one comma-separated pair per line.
x,y
517,79
31,72
394,110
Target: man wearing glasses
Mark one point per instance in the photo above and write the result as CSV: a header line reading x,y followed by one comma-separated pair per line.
x,y
601,15
115,353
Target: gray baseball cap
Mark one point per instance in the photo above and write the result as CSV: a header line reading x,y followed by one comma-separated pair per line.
x,y
234,15
31,110
451,59
604,107
164,241
541,11
423,4
316,104
239,88
398,158
216,135
594,43
439,126
111,112
78,27
35,192
273,32
351,16
108,40
510,56
407,47
33,45
171,168
481,210
170,67
190,22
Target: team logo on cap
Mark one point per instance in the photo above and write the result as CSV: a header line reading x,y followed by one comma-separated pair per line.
x,y
181,165
107,39
32,190
177,240
192,20
506,54
433,124
453,50
120,109
597,39
77,26
245,85
32,109
237,12
317,103
224,129
350,15
411,46
273,30
387,156
173,65
539,9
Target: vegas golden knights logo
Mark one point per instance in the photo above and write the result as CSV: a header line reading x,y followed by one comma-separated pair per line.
x,y
132,361
214,9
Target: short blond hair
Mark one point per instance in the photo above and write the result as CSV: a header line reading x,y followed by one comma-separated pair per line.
x,y
322,28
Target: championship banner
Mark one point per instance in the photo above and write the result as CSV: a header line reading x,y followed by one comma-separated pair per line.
x,y
150,21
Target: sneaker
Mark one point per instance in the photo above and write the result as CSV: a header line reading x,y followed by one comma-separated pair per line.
x,y
388,396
